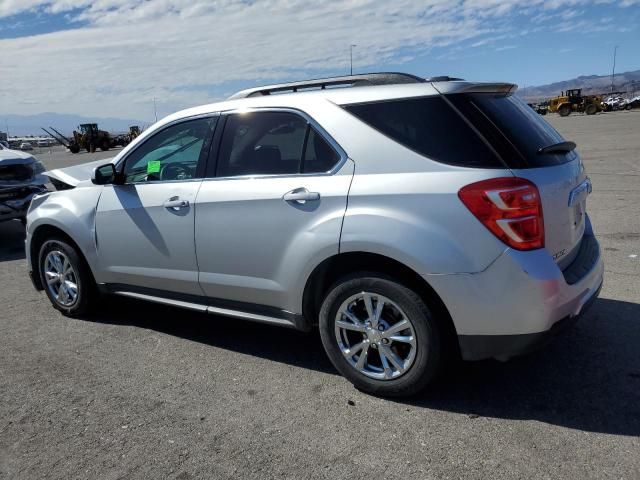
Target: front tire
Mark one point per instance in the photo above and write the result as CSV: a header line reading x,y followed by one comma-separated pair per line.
x,y
380,335
564,110
66,278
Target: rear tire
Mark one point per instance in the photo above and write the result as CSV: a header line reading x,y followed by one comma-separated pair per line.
x,y
66,278
358,354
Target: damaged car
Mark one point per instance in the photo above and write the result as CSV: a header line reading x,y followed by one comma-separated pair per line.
x,y
20,180
411,221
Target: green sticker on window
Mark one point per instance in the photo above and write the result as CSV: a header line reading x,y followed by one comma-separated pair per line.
x,y
153,166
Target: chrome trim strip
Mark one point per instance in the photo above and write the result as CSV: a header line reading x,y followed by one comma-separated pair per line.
x,y
207,309
167,301
250,316
323,133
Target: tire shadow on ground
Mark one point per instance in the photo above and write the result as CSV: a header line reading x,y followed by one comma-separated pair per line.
x,y
587,379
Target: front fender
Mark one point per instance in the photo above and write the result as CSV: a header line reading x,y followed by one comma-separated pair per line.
x,y
72,212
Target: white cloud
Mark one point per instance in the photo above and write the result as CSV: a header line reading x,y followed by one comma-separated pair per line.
x,y
125,52
505,47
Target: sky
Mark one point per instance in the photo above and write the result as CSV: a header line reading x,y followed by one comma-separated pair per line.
x,y
111,58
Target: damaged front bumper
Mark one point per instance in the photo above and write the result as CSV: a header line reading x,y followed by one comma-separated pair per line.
x,y
15,200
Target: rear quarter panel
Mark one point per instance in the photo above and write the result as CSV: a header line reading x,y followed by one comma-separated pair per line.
x,y
418,219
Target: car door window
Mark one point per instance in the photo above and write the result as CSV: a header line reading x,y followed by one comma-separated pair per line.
x,y
272,143
319,156
172,154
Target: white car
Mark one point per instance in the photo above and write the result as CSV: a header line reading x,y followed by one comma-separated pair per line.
x,y
410,220
26,146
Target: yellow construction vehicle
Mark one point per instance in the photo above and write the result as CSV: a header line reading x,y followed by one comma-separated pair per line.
x,y
574,101
134,131
90,137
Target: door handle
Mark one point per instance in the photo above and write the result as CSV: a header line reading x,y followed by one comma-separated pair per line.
x,y
175,203
301,195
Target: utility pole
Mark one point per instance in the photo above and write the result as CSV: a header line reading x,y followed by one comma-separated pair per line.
x,y
155,111
351,57
613,71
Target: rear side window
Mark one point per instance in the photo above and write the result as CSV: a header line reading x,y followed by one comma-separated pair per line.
x,y
319,156
514,129
272,143
430,127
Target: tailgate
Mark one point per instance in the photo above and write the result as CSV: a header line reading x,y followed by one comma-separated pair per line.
x,y
534,150
563,190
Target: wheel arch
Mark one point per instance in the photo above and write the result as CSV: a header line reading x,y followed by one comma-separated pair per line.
x,y
333,268
40,235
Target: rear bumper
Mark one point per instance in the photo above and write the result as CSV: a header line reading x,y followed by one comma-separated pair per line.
x,y
519,301
478,347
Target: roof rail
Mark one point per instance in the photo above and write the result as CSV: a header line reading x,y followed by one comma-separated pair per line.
x,y
367,79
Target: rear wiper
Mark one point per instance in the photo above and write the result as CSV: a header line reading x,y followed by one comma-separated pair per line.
x,y
560,147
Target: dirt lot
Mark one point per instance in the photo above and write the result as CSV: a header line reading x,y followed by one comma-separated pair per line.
x,y
142,391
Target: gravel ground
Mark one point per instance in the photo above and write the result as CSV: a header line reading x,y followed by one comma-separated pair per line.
x,y
143,391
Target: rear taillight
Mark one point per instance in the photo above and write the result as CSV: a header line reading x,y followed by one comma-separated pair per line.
x,y
510,208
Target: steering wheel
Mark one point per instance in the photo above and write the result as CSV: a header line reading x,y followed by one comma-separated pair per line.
x,y
175,171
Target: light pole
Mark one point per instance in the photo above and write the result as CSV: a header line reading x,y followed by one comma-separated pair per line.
x,y
351,57
613,71
155,111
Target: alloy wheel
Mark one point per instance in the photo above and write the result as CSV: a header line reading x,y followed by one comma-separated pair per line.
x,y
375,336
61,278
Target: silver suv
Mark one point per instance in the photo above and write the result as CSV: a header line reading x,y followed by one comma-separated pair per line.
x,y
411,219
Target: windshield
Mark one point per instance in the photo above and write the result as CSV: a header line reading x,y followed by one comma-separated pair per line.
x,y
15,173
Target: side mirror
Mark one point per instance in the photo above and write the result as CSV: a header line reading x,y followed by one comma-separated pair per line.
x,y
104,174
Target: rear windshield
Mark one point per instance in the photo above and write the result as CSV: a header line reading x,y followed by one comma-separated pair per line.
x,y
430,127
512,127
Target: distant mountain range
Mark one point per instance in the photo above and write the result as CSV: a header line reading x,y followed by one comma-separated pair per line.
x,y
590,84
21,125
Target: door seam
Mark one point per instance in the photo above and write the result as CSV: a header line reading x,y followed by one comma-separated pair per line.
x,y
346,206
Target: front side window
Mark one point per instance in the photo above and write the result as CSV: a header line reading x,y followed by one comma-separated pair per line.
x,y
272,143
171,154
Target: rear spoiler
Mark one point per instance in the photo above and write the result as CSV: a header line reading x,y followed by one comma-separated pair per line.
x,y
466,87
